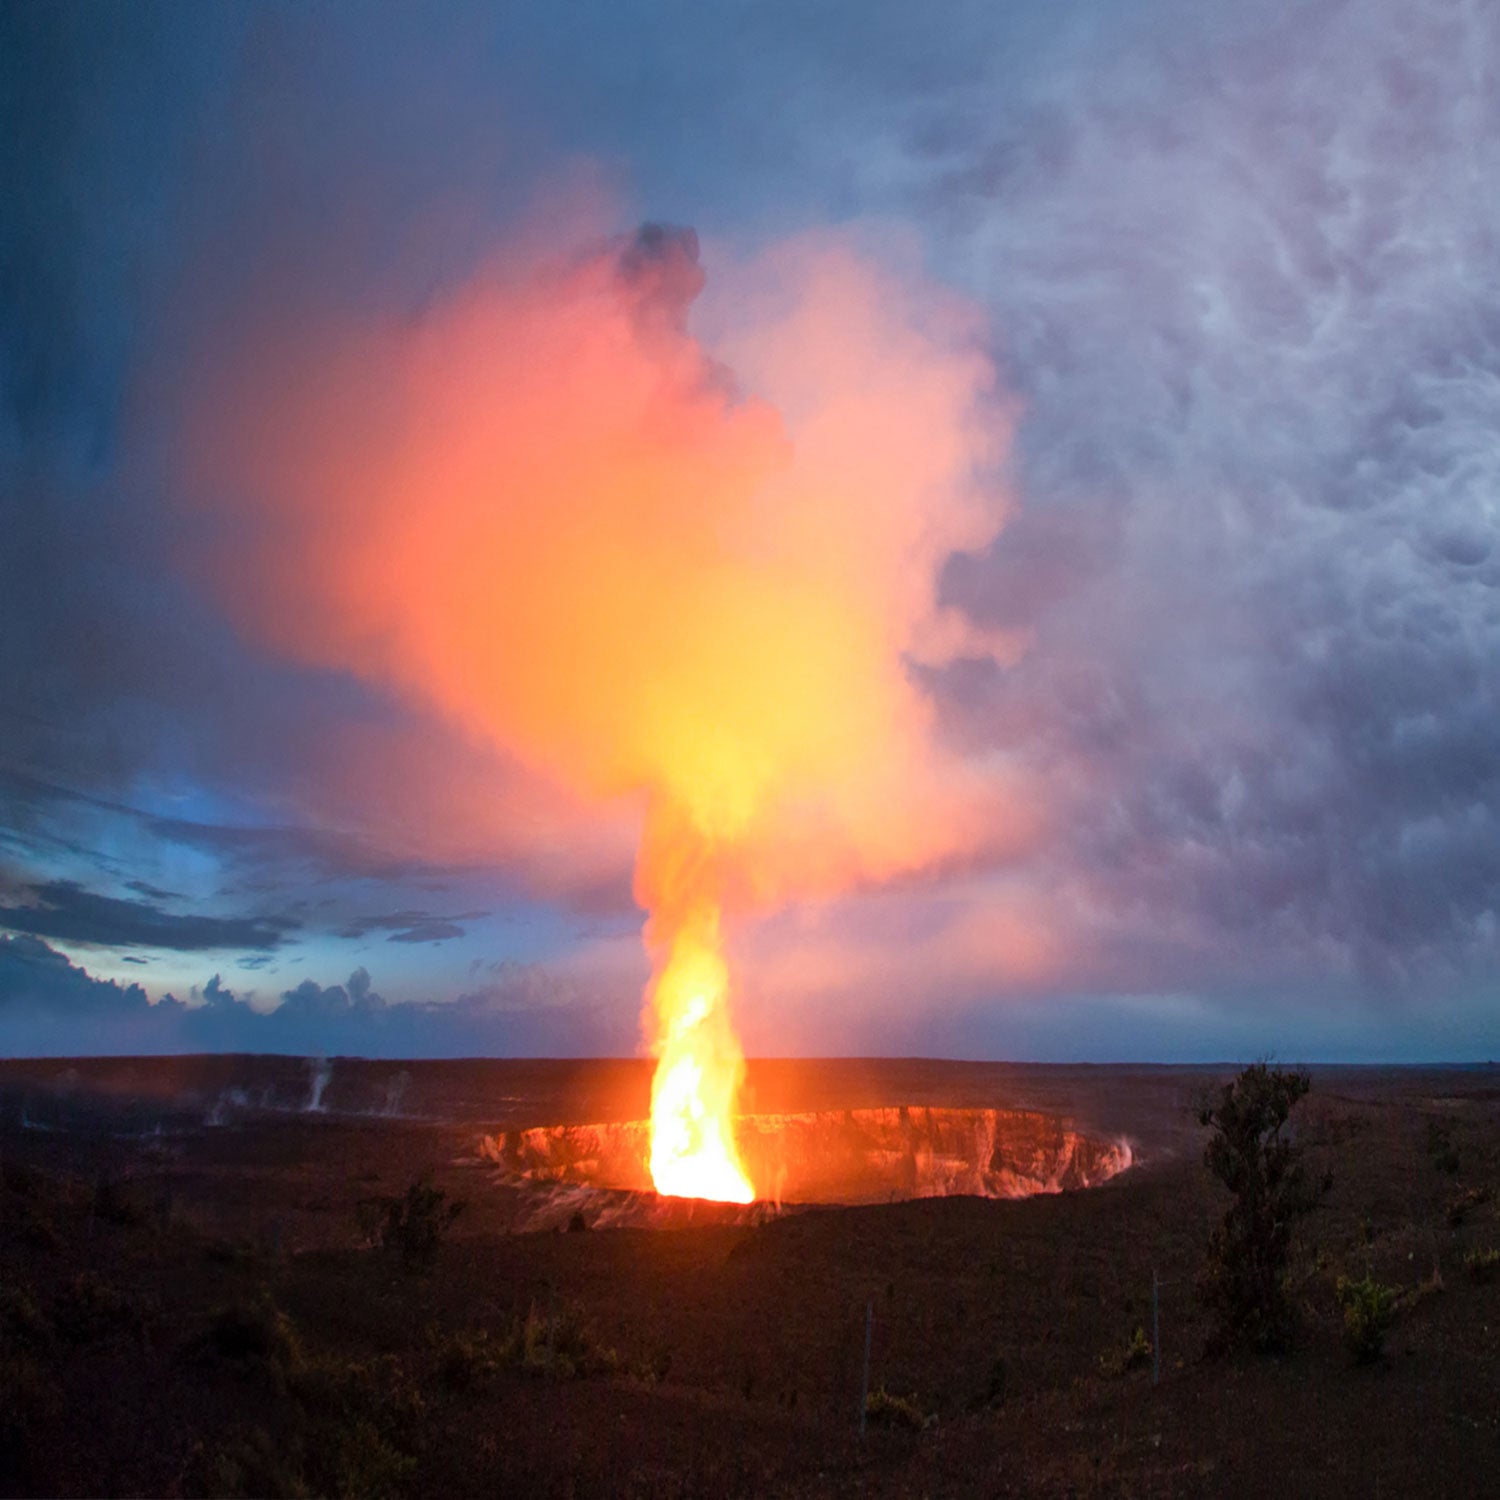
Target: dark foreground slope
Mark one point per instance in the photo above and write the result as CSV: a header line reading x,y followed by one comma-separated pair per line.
x,y
188,1309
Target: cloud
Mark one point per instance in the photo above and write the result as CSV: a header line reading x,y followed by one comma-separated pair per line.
x,y
63,909
413,926
52,1007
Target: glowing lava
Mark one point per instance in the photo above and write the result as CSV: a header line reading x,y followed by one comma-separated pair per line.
x,y
693,1154
679,879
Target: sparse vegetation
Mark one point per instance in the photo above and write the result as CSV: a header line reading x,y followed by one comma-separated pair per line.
x,y
1369,1309
885,1410
416,1224
465,1359
1440,1147
559,1345
1254,1154
1482,1265
1137,1352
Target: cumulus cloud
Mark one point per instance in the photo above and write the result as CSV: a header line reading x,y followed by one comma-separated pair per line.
x,y
50,1006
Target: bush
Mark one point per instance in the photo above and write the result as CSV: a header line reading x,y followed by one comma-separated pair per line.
x,y
417,1223
1369,1310
1482,1265
465,1359
559,1345
1135,1354
1250,1150
886,1410
1440,1147
344,1428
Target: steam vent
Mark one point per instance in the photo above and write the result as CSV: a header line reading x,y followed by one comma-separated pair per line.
x,y
843,1156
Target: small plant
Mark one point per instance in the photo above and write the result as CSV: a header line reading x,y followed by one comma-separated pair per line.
x,y
1440,1147
1482,1265
465,1360
1369,1310
559,1345
885,1410
1135,1354
417,1223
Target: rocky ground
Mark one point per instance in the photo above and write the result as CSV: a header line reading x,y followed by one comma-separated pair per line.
x,y
189,1309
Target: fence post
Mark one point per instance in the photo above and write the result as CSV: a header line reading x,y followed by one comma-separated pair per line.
x,y
864,1382
1155,1329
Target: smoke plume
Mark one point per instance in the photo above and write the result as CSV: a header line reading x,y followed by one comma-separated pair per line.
x,y
696,579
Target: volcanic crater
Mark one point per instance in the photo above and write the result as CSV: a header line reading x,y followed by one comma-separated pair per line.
x,y
600,1172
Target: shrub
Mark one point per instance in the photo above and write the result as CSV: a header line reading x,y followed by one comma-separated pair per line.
x,y
1135,1354
1440,1147
1369,1310
886,1410
1482,1265
417,1223
1250,1150
559,1345
464,1359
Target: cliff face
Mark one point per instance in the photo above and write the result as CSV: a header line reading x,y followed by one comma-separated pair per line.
x,y
849,1156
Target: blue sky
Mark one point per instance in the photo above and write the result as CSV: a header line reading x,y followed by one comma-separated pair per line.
x,y
1236,268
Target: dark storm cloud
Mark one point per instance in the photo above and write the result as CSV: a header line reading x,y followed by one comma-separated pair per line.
x,y
62,909
1244,284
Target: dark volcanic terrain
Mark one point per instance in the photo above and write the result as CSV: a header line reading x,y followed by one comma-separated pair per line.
x,y
194,1297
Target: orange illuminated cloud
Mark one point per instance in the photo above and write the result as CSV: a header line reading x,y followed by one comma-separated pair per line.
x,y
643,568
